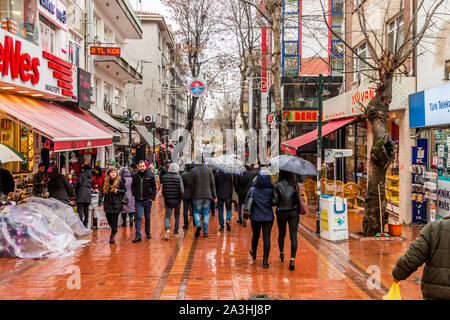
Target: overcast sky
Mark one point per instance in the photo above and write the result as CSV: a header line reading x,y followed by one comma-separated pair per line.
x,y
152,6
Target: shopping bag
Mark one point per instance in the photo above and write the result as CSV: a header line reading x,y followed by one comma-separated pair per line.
x,y
394,292
102,222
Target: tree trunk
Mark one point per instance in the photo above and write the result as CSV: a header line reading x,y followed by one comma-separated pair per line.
x,y
381,155
241,101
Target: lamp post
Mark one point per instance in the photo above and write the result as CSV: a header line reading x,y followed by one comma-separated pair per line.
x,y
129,119
153,136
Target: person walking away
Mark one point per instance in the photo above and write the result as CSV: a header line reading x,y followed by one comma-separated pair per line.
x,y
212,206
143,188
84,194
39,181
129,208
173,190
242,184
58,186
187,202
261,214
6,183
431,248
111,195
203,190
97,178
285,198
224,191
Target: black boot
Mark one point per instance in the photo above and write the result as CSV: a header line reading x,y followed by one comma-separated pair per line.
x,y
253,254
265,262
137,239
111,239
292,265
282,257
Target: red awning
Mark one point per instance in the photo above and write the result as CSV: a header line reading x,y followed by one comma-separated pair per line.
x,y
292,145
65,126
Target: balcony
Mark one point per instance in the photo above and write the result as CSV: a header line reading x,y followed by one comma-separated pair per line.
x,y
121,12
118,68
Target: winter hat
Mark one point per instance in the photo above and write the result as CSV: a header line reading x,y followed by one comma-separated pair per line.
x,y
110,169
174,168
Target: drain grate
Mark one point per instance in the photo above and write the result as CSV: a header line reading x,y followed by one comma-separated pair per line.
x,y
260,296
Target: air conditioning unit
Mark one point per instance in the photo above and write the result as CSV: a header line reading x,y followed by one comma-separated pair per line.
x,y
148,119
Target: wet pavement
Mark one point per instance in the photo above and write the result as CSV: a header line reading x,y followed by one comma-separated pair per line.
x,y
217,267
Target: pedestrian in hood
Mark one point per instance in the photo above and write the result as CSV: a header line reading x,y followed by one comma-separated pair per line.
x,y
242,184
129,208
187,201
97,178
39,181
84,194
111,195
203,191
58,186
224,191
431,248
143,188
285,198
261,214
172,190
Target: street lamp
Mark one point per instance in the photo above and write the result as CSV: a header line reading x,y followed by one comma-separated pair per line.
x,y
129,119
153,128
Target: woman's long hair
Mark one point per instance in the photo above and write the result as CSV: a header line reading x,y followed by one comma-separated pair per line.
x,y
107,184
286,175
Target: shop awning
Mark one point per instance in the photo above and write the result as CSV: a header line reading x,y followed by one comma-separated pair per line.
x,y
148,136
83,114
61,124
293,144
110,121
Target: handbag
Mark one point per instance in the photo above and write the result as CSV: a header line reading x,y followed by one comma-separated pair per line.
x,y
234,195
249,203
301,204
124,198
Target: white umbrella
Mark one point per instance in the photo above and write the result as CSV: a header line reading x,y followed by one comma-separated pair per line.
x,y
228,164
8,154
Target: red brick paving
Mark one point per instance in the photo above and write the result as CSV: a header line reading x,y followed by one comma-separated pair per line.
x,y
218,267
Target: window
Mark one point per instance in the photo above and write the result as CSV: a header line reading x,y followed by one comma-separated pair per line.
x,y
359,66
96,28
447,70
396,34
74,53
96,90
47,38
22,17
108,36
159,40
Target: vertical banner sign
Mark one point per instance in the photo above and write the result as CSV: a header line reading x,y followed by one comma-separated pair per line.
x,y
84,89
443,203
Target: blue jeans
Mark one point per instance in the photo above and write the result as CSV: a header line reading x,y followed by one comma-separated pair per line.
x,y
143,208
169,215
239,209
201,206
227,204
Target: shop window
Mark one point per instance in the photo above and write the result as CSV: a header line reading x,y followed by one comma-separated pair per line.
x,y
395,34
20,17
47,38
74,53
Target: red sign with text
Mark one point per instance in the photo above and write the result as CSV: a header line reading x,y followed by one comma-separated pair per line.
x,y
105,51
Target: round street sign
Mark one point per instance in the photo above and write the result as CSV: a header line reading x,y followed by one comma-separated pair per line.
x,y
197,87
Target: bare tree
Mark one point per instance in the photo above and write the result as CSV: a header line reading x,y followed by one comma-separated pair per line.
x,y
381,66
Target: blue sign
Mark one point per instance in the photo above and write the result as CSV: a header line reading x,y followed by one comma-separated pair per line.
x,y
430,107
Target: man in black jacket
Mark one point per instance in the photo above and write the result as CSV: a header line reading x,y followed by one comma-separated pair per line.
x,y
203,190
187,201
143,188
39,181
224,191
6,183
242,185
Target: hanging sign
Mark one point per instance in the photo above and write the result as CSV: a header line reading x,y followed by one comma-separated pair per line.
x,y
197,87
105,51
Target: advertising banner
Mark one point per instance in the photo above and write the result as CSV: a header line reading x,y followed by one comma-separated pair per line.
x,y
443,203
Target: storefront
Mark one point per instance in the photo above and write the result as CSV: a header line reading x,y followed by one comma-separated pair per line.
x,y
430,117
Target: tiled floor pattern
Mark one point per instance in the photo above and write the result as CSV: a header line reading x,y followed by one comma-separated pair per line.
x,y
218,267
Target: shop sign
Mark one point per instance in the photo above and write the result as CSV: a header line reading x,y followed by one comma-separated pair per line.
x,y
430,107
25,66
443,203
55,11
353,102
296,116
105,51
84,89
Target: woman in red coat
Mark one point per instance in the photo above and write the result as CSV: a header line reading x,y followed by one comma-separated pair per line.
x,y
97,178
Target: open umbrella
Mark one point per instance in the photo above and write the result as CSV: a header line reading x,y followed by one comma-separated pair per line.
x,y
227,164
8,154
293,164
